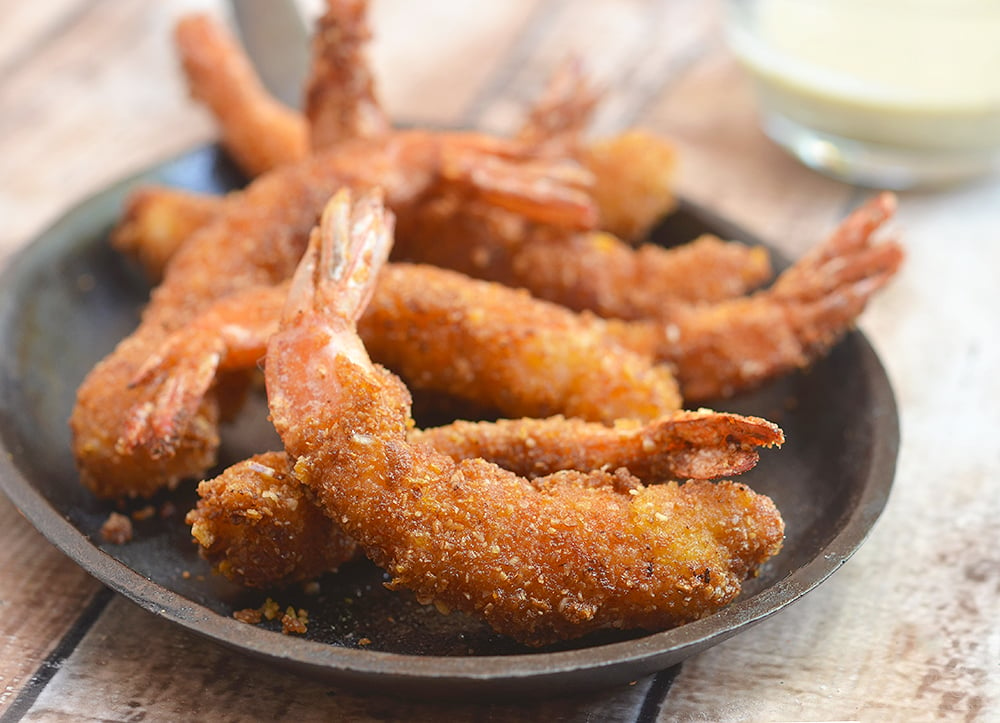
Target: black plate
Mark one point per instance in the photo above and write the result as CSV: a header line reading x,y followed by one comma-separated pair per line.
x,y
67,298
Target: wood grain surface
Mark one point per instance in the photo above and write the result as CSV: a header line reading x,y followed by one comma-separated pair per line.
x,y
908,629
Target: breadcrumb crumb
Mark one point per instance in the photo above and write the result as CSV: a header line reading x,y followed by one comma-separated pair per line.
x,y
294,622
270,609
117,529
250,616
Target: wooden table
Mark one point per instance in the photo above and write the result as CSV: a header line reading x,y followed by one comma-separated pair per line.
x,y
908,630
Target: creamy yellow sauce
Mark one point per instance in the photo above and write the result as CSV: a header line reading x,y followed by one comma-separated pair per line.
x,y
920,74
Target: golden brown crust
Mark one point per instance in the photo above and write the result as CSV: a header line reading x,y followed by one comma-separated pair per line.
x,y
157,220
600,273
734,345
506,350
635,173
259,132
567,555
539,560
341,103
703,444
257,239
258,527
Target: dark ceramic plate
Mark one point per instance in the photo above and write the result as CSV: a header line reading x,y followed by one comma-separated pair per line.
x,y
66,299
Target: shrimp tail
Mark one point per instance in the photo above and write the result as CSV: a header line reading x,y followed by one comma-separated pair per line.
x,y
720,349
337,276
328,293
182,382
341,102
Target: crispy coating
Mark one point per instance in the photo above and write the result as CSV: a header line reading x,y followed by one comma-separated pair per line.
x,y
495,347
726,345
257,239
447,333
594,271
260,527
734,345
614,280
506,350
590,271
258,131
539,561
635,173
682,445
555,125
340,93
157,220
581,555
257,526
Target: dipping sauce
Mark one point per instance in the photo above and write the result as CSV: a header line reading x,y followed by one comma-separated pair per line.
x,y
921,77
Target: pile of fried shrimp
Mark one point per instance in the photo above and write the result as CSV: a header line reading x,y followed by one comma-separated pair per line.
x,y
506,277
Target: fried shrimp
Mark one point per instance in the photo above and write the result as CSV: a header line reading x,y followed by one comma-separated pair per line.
x,y
594,271
258,131
507,351
256,239
584,271
496,347
634,172
340,93
447,231
260,527
615,280
519,356
257,526
683,445
157,220
540,561
734,345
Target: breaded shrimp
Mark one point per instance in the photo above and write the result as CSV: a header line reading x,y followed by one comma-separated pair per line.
x,y
341,103
484,343
507,351
540,561
157,220
721,346
519,356
584,271
615,280
683,445
256,239
258,131
260,527
342,107
634,172
594,271
734,345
